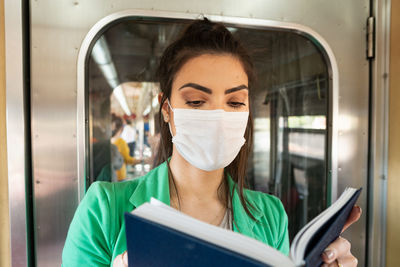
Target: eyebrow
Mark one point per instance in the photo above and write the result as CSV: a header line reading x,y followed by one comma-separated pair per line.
x,y
209,91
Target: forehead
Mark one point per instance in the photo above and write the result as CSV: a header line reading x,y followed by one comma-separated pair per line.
x,y
214,71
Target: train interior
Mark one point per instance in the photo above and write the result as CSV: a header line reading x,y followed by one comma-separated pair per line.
x,y
306,148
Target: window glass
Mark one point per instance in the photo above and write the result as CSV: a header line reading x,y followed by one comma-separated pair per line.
x,y
289,106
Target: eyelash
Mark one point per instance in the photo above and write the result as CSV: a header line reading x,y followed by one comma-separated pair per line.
x,y
236,104
199,103
195,104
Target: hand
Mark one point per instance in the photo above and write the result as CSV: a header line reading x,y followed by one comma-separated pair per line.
x,y
338,252
121,260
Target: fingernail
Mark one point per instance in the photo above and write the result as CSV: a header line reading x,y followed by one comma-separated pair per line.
x,y
329,254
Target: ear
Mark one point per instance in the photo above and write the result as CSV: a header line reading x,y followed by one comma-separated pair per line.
x,y
164,108
159,97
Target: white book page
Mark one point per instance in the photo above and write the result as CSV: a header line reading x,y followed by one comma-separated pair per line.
x,y
163,214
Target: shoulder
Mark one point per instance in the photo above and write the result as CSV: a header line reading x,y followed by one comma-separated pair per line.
x,y
109,197
98,220
106,191
104,200
120,191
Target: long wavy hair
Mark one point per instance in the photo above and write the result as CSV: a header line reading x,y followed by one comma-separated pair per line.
x,y
198,38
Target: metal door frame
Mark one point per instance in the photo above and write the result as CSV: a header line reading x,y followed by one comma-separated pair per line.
x,y
379,136
17,133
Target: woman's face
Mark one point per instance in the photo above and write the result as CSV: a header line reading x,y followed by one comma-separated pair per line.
x,y
209,82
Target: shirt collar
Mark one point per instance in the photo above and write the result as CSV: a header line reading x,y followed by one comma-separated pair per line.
x,y
155,184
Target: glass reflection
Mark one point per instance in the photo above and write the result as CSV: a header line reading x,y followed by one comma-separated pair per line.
x,y
289,105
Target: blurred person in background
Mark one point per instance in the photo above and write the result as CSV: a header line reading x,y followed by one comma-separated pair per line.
x,y
129,136
123,148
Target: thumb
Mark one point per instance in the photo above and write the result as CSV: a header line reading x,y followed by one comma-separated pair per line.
x,y
354,215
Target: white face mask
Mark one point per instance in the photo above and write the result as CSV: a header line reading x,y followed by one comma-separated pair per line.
x,y
209,139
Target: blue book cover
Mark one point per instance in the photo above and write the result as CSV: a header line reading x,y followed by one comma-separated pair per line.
x,y
152,244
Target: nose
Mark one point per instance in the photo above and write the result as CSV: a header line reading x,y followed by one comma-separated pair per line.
x,y
218,103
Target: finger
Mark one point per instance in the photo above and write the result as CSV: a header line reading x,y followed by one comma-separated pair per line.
x,y
355,214
338,249
349,261
118,262
333,264
125,258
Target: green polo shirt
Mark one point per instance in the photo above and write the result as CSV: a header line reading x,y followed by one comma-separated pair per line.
x,y
97,232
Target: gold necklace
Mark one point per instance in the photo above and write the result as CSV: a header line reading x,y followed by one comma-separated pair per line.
x,y
224,209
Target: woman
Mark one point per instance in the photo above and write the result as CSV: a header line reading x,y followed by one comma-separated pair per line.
x,y
123,148
206,129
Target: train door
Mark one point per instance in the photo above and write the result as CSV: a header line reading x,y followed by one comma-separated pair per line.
x,y
92,67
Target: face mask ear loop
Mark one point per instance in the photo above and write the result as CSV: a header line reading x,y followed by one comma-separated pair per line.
x,y
169,124
169,105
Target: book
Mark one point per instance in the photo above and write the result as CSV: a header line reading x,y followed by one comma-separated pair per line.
x,y
159,235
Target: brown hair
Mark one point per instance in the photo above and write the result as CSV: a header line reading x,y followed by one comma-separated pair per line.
x,y
205,37
117,124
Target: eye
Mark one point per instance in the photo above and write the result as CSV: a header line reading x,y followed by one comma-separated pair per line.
x,y
235,104
195,103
